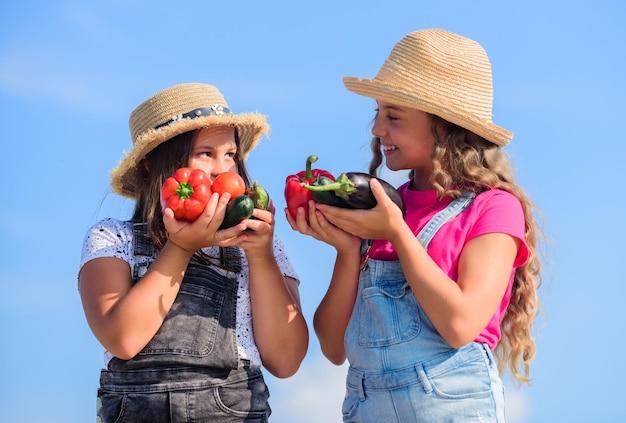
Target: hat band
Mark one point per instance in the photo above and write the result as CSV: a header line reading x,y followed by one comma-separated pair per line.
x,y
215,110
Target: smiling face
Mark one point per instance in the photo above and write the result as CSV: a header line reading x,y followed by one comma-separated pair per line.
x,y
406,140
214,150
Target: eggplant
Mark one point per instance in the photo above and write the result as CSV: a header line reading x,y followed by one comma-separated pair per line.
x,y
326,197
353,189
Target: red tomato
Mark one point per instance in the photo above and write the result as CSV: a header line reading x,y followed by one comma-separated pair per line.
x,y
229,182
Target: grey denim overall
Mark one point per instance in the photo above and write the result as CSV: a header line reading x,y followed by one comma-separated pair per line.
x,y
401,369
190,370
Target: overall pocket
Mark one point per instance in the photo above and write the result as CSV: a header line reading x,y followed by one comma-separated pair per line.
x,y
191,325
388,315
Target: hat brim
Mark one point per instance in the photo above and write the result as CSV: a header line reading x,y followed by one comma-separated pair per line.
x,y
125,178
422,101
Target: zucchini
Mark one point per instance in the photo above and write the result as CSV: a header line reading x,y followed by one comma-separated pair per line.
x,y
237,209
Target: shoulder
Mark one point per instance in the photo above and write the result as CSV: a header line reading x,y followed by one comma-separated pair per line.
x,y
108,238
111,225
495,211
498,211
497,195
109,231
496,202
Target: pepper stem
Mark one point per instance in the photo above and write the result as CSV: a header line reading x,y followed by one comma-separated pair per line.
x,y
309,162
184,190
343,187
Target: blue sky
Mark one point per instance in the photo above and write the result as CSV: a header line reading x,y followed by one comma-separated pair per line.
x,y
71,73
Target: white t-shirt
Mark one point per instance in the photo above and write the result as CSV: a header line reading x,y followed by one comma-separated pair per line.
x,y
114,238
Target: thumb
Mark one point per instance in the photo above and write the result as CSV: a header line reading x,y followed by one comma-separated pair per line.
x,y
172,225
378,191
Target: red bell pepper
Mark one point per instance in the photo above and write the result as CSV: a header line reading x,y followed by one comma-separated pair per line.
x,y
297,196
187,193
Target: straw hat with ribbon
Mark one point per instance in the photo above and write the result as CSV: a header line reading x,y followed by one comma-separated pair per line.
x,y
441,73
175,110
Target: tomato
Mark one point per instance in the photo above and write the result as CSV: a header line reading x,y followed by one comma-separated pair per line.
x,y
229,182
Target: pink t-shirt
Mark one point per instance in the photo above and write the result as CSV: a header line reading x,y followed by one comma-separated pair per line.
x,y
491,211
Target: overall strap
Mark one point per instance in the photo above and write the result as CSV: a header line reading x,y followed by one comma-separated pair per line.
x,y
452,210
434,224
143,250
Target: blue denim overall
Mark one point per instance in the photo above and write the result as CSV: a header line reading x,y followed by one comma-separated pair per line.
x,y
190,371
401,369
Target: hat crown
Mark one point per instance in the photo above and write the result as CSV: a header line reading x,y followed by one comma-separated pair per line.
x,y
171,102
443,65
441,73
173,111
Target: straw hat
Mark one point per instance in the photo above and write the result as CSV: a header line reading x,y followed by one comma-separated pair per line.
x,y
441,73
175,110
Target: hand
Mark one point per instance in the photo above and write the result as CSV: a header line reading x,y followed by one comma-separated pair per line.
x,y
258,239
321,229
380,222
203,232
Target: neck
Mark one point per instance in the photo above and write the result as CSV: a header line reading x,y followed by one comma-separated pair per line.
x,y
418,184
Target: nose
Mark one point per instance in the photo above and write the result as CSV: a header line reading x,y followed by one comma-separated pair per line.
x,y
378,128
219,166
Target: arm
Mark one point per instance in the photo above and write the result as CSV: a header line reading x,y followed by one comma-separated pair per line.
x,y
333,314
124,317
280,330
460,309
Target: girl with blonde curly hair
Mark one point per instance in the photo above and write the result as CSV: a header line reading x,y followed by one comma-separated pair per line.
x,y
430,306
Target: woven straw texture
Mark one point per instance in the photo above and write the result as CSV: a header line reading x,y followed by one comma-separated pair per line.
x,y
161,109
441,73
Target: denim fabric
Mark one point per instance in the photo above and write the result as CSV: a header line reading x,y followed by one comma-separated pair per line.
x,y
183,395
190,371
401,369
458,386
199,329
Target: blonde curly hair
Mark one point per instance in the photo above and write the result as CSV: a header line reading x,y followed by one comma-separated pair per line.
x,y
464,161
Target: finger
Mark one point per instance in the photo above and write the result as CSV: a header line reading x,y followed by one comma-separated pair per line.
x,y
301,220
210,209
378,190
264,215
172,225
314,217
291,222
215,210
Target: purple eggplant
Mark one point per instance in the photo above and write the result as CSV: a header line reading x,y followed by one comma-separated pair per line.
x,y
353,189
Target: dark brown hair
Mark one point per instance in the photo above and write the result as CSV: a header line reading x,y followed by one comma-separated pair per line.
x,y
160,164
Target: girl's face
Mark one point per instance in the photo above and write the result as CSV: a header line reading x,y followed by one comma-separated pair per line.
x,y
214,150
405,138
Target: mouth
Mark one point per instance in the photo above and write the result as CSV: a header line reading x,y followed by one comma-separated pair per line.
x,y
389,148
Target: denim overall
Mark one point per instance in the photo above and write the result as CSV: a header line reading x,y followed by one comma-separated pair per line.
x,y
190,371
401,369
